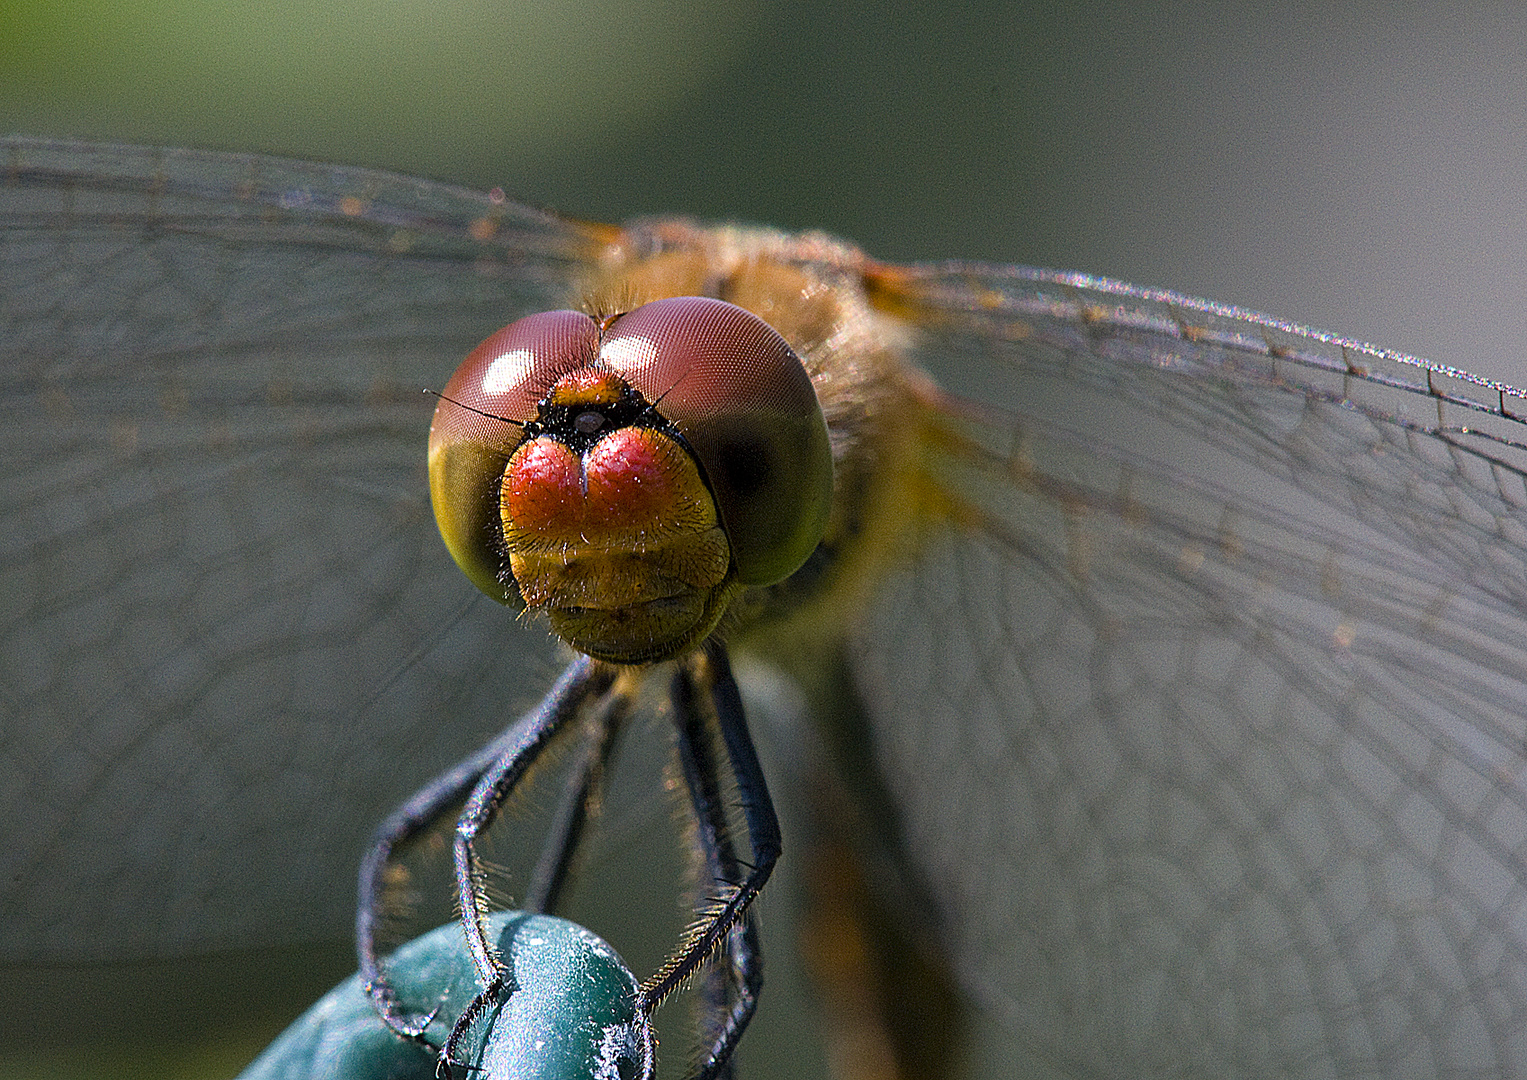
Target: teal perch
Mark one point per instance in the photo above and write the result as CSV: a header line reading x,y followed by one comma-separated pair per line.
x,y
568,1011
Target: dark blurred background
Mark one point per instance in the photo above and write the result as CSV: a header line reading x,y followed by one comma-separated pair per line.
x,y
1360,167
1356,167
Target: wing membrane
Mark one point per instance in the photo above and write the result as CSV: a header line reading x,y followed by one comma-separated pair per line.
x,y
1216,760
230,630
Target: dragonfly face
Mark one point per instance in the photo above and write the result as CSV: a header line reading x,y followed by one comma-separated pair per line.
x,y
629,475
1183,654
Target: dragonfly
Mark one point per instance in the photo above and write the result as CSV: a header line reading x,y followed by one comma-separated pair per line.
x,y
1170,722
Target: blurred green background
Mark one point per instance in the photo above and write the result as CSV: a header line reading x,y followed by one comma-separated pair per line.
x,y
1355,167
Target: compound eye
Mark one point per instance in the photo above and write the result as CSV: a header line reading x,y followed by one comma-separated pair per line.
x,y
745,405
477,425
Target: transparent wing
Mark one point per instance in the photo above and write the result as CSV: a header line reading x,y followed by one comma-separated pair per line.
x,y
229,637
1215,762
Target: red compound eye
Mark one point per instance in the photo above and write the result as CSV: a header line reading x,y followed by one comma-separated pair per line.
x,y
740,397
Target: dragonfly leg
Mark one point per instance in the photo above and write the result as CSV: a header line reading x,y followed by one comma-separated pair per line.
x,y
731,988
580,803
582,680
727,922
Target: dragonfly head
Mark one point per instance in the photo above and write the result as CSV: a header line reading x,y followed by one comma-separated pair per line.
x,y
630,475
